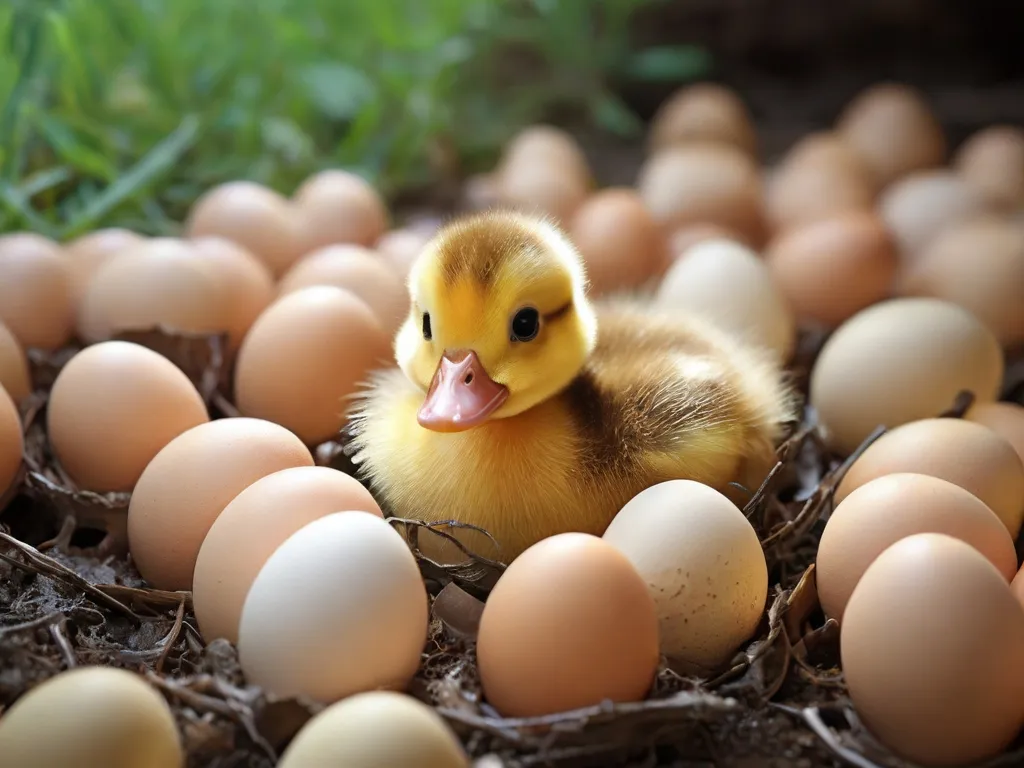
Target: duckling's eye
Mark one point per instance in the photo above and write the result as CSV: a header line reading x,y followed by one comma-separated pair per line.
x,y
427,335
525,324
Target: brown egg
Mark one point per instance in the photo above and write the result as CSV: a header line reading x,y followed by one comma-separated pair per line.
x,y
704,184
400,247
36,298
257,218
252,526
339,207
14,371
832,268
979,265
545,145
354,269
86,254
188,484
304,356
539,186
542,650
112,408
964,453
621,244
992,162
480,192
689,235
893,128
162,281
11,444
703,112
247,285
1005,419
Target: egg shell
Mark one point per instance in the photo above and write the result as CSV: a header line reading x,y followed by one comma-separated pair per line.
x,y
569,624
703,112
376,729
964,453
188,484
1005,419
304,355
12,444
899,361
86,254
336,206
347,591
932,649
400,247
543,144
544,188
832,268
14,371
703,565
992,162
91,717
252,526
112,408
892,507
36,296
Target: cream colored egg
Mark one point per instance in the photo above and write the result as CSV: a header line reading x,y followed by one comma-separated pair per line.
x,y
703,112
545,145
542,187
36,293
336,206
992,161
14,372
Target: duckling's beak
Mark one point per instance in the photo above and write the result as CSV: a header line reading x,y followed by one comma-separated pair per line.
x,y
461,394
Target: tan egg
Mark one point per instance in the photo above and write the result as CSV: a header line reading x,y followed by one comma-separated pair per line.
x,y
252,526
480,192
1005,419
703,565
91,717
832,268
188,484
257,218
36,296
339,207
14,371
704,184
342,588
400,247
162,281
979,265
545,145
893,128
542,650
621,244
703,112
541,187
355,269
932,649
112,408
891,507
86,254
899,361
992,162
12,444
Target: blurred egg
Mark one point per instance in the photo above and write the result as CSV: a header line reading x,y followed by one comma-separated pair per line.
x,y
1005,419
400,247
251,526
11,444
188,484
545,644
891,507
992,162
112,408
731,286
898,361
688,235
893,128
346,590
14,371
91,717
699,113
932,649
376,729
964,453
336,206
257,218
36,295
86,254
703,565
307,352
545,145
832,268
542,187
480,192
247,285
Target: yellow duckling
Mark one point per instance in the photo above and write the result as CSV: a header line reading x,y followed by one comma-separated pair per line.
x,y
519,407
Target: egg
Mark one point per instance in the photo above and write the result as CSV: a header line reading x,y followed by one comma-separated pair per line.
x,y
932,648
992,162
731,286
703,112
545,645
400,247
251,526
36,293
354,269
978,264
704,184
682,238
893,128
620,242
307,352
541,187
14,371
257,218
898,361
545,145
345,589
1005,419
86,254
703,565
91,717
376,729
964,453
336,206
112,408
12,444
882,511
480,192
832,268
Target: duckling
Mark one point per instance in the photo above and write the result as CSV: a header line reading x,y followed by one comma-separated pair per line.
x,y
520,407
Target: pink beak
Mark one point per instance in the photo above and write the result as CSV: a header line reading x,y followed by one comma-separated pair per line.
x,y
461,394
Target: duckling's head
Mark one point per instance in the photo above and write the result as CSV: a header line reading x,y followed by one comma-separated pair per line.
x,y
499,319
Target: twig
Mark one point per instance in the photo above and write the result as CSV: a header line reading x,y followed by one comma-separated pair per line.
x,y
63,643
172,637
36,623
812,717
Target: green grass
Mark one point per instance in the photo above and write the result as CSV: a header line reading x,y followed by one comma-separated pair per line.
x,y
120,112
